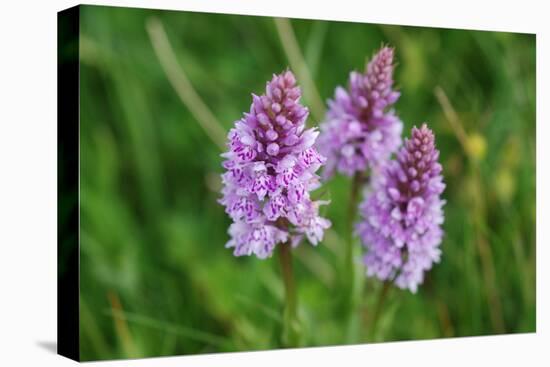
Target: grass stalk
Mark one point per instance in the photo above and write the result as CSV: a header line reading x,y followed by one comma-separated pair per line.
x,y
179,80
480,214
170,328
299,66
121,327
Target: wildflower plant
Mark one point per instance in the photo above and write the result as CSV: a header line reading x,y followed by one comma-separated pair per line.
x,y
402,214
361,130
271,163
271,166
271,169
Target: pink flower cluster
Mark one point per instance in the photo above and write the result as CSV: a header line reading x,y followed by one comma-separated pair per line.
x,y
360,132
402,214
270,171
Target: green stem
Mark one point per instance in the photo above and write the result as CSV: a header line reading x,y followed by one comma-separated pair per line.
x,y
352,211
351,296
378,309
291,324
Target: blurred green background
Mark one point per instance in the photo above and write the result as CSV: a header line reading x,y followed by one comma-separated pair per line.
x,y
155,276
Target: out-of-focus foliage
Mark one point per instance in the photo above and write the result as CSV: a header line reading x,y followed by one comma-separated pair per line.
x,y
155,276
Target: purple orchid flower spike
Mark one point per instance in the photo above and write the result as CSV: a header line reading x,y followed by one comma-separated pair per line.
x,y
359,131
402,214
271,163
